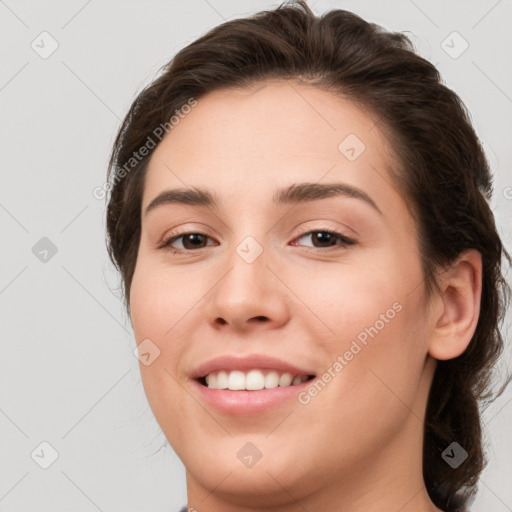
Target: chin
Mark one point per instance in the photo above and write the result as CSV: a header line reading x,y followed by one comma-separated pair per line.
x,y
257,486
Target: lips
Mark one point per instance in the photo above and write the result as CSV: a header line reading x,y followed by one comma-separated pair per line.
x,y
259,362
243,402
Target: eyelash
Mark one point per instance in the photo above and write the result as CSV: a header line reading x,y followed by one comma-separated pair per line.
x,y
166,244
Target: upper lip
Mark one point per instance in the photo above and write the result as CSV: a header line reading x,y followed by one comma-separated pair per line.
x,y
245,363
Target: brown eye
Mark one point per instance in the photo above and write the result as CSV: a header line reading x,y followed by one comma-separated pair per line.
x,y
193,240
326,239
190,242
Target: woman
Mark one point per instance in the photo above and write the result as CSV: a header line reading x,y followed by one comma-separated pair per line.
x,y
299,212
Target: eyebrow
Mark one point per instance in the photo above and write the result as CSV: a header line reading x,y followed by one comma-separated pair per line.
x,y
294,194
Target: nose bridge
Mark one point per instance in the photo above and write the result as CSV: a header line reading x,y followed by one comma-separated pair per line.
x,y
249,289
249,278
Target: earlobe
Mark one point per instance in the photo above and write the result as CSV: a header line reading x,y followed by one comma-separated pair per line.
x,y
461,288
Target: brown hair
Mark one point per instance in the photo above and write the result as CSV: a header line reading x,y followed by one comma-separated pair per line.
x,y
442,172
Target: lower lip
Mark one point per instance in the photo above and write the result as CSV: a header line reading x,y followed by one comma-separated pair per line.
x,y
243,403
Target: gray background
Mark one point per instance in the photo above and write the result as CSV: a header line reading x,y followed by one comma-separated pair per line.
x,y
68,376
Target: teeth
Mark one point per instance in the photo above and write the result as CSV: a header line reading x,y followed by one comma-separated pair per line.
x,y
296,380
222,380
272,380
255,380
252,381
285,379
236,381
211,381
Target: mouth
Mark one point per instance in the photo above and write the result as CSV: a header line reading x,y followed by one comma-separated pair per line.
x,y
248,385
252,380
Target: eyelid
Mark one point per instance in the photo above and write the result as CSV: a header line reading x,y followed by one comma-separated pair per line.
x,y
176,233
309,229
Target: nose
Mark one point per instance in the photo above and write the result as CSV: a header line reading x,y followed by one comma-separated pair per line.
x,y
248,296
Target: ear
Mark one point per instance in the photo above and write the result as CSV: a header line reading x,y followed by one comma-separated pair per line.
x,y
459,306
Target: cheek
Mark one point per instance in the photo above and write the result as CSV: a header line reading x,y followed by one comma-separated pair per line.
x,y
156,308
159,298
374,370
369,292
377,342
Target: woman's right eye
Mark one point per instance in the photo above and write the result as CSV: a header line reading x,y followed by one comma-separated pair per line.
x,y
193,237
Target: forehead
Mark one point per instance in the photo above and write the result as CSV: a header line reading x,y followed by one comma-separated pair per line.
x,y
273,133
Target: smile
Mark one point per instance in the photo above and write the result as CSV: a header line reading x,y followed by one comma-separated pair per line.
x,y
252,380
249,384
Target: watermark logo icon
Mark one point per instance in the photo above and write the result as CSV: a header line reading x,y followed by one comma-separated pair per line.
x,y
351,147
454,45
44,45
249,455
249,249
146,352
454,455
44,455
44,250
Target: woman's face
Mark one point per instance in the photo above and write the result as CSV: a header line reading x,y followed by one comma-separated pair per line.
x,y
263,295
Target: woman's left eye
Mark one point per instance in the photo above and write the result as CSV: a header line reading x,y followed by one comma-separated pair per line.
x,y
326,239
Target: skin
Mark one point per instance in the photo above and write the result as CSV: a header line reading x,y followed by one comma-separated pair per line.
x,y
357,445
